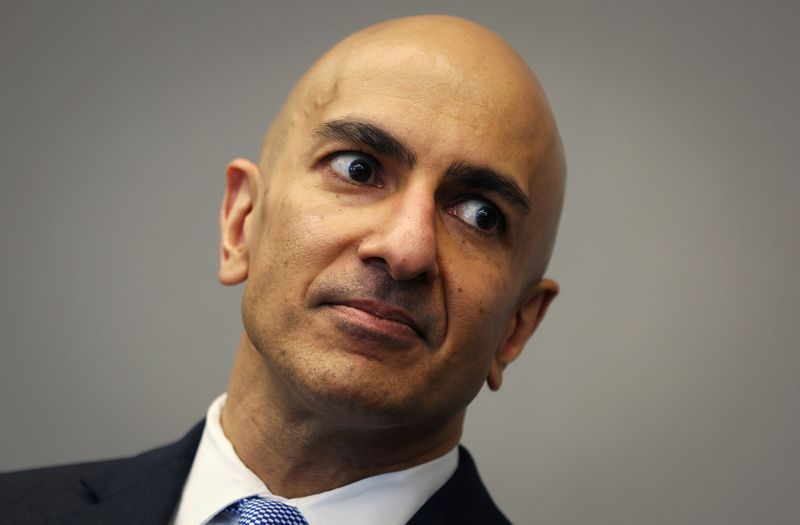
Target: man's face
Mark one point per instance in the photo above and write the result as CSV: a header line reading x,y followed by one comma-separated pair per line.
x,y
388,257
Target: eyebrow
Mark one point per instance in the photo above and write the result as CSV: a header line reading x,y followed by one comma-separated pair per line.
x,y
360,132
484,178
462,173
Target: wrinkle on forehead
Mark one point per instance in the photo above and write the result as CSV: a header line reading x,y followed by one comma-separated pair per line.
x,y
458,68
466,58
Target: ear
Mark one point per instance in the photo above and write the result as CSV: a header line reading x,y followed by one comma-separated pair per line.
x,y
520,329
241,183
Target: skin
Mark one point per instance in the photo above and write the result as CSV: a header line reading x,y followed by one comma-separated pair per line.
x,y
374,310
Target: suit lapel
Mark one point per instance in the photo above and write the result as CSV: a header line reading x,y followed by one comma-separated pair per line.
x,y
142,489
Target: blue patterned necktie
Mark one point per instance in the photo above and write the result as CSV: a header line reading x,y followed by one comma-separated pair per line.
x,y
261,511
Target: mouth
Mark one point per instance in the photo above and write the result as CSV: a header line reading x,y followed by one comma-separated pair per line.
x,y
377,319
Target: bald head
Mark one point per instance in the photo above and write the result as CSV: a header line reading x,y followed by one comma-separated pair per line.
x,y
395,233
456,67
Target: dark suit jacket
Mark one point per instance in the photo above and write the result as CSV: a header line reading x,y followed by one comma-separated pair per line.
x,y
145,489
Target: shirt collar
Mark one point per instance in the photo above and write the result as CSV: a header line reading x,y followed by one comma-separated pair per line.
x,y
218,478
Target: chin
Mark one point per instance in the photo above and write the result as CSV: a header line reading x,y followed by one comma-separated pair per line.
x,y
359,395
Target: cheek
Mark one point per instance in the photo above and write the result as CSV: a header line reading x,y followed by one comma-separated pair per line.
x,y
478,287
298,237
479,309
477,316
295,242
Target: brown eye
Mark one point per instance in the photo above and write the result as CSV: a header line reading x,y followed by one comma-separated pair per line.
x,y
354,167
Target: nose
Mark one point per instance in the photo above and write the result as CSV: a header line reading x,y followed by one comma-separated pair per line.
x,y
403,237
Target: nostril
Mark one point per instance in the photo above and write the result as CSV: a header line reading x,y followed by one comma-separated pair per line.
x,y
379,263
402,262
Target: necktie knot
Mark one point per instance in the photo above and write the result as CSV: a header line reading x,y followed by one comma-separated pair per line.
x,y
262,511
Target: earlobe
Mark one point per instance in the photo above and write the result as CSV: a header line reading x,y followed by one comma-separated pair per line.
x,y
520,329
241,178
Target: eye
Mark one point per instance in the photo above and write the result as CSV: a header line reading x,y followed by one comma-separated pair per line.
x,y
355,167
480,214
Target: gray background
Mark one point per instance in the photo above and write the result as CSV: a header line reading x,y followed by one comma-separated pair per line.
x,y
663,386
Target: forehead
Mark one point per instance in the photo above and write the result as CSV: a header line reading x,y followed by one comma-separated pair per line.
x,y
447,109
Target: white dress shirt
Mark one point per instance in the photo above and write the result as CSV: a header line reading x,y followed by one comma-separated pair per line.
x,y
218,478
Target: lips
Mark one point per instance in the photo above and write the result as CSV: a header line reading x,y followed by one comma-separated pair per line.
x,y
379,316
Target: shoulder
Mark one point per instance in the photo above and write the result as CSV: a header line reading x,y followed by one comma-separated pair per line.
x,y
73,487
22,492
463,499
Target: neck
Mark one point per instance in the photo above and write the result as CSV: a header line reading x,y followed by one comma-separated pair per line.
x,y
296,450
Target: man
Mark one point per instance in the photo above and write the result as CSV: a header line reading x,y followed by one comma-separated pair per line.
x,y
393,239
